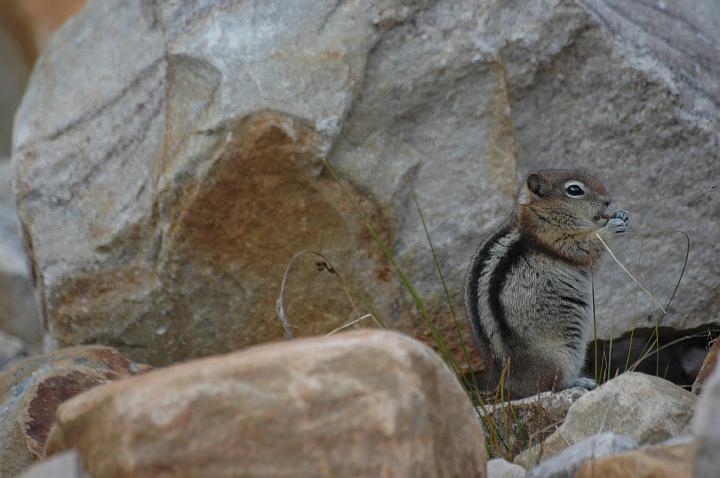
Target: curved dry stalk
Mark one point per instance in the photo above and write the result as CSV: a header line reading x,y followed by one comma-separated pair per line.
x,y
647,235
612,254
327,265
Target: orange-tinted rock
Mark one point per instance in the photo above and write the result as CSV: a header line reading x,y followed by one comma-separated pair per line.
x,y
707,367
33,21
664,461
354,404
32,389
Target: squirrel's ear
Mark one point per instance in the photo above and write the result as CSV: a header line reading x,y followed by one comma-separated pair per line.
x,y
533,184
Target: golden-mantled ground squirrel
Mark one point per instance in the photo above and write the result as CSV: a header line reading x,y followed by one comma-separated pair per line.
x,y
528,292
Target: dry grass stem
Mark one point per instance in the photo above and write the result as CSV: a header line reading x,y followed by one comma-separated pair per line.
x,y
612,254
350,324
326,265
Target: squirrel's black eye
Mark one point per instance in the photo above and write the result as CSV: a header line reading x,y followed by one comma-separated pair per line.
x,y
574,190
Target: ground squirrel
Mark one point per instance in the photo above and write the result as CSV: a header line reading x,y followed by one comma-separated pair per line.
x,y
528,291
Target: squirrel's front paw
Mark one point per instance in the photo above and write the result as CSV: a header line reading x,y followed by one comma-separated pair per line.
x,y
618,222
621,214
583,382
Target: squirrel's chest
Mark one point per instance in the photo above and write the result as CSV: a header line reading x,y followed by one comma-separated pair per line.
x,y
549,278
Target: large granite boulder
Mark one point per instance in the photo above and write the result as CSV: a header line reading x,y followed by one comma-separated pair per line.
x,y
169,164
32,389
365,403
629,89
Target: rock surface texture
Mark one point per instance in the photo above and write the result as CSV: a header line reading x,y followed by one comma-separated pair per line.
x,y
568,461
357,404
706,428
664,461
500,468
162,201
11,348
15,72
63,465
31,390
645,408
19,315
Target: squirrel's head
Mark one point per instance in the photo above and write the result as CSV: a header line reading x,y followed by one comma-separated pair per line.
x,y
567,198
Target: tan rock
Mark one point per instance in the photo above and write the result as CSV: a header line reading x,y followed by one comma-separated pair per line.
x,y
707,367
365,403
31,390
665,461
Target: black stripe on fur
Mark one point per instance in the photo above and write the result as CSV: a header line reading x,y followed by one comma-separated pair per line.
x,y
514,253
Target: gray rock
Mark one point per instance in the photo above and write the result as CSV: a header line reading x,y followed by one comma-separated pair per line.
x,y
629,89
11,348
163,200
15,72
500,468
646,408
567,462
203,151
18,312
63,465
706,428
525,422
668,460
